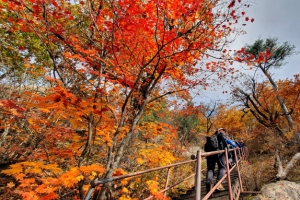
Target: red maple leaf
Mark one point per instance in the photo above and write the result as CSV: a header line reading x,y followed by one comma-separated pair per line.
x,y
232,3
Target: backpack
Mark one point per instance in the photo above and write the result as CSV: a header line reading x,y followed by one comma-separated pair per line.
x,y
212,143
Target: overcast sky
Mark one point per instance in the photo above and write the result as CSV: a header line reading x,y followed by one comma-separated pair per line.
x,y
273,18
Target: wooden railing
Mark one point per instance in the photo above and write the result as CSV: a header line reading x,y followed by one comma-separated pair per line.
x,y
238,152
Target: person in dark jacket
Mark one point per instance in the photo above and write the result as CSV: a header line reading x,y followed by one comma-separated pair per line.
x,y
219,159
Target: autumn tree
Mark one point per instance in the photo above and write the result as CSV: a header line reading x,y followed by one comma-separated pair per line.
x,y
238,124
265,55
101,64
206,112
186,121
258,97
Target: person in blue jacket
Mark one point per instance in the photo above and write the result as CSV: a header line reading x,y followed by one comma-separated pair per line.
x,y
231,144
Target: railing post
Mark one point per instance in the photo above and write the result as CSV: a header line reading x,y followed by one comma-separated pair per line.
x,y
198,177
228,175
167,180
238,169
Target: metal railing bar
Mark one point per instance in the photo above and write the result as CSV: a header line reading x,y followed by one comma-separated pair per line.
x,y
98,182
228,171
238,170
238,194
211,153
167,180
198,176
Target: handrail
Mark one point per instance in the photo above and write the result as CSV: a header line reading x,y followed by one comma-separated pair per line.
x,y
197,175
228,171
97,182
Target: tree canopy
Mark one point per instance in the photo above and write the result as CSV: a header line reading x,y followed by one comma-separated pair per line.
x,y
82,79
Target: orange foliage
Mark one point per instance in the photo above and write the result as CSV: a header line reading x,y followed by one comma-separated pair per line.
x,y
238,124
104,63
45,180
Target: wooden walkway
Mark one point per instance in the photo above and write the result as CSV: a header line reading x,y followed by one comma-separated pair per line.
x,y
217,195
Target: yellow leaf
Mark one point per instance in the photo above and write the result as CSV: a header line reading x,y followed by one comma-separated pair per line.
x,y
33,170
125,190
124,182
30,121
140,161
126,197
79,178
153,186
132,185
12,171
14,111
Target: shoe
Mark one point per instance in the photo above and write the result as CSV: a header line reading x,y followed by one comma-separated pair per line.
x,y
220,188
208,186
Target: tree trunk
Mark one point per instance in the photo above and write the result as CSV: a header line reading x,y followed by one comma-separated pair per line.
x,y
282,104
281,101
88,142
283,172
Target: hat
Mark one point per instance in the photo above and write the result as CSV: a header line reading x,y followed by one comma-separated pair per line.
x,y
222,129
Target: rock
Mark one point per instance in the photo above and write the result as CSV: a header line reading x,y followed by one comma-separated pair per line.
x,y
280,190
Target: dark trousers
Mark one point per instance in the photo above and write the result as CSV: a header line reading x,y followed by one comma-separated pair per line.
x,y
211,162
